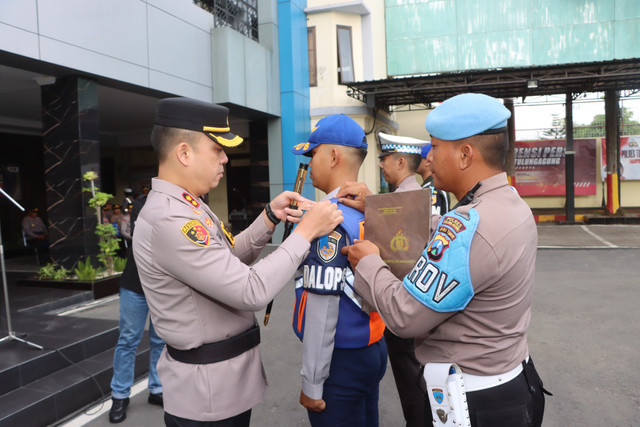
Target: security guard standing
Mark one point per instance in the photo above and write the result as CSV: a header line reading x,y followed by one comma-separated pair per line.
x,y
201,292
468,298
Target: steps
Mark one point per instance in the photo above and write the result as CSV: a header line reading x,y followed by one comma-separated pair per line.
x,y
40,387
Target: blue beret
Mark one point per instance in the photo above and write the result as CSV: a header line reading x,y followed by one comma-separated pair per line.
x,y
336,129
467,115
425,150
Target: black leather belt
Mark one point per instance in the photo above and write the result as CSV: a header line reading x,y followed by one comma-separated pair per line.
x,y
218,351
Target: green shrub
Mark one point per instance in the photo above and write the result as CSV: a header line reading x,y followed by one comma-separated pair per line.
x,y
60,274
119,263
52,272
85,271
47,272
108,243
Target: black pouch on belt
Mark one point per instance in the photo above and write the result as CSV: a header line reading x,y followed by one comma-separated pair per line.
x,y
218,351
536,389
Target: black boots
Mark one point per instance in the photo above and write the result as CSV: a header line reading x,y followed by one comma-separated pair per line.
x,y
118,411
156,399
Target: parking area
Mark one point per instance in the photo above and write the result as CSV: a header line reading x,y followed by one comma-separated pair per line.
x,y
583,338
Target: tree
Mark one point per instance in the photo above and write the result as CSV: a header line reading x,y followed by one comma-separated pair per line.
x,y
558,129
597,127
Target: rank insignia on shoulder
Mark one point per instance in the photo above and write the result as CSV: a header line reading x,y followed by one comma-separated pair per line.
x,y
189,198
229,236
195,231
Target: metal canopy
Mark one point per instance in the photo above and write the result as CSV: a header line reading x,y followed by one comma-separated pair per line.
x,y
500,83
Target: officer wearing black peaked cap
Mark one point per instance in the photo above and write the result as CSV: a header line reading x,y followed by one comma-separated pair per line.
x,y
201,292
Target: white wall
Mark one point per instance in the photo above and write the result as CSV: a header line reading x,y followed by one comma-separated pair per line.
x,y
164,45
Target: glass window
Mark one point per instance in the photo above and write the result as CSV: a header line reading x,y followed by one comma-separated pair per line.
x,y
313,68
345,56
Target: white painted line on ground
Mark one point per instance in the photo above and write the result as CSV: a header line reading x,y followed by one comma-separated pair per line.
x,y
90,305
102,408
606,242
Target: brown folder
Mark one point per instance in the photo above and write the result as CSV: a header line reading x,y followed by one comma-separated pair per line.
x,y
398,223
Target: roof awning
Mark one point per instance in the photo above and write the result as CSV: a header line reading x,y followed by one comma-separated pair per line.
x,y
500,83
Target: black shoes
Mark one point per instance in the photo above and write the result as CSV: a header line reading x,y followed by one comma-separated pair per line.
x,y
156,399
118,411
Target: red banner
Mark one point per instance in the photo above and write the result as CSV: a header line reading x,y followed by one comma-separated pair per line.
x,y
540,167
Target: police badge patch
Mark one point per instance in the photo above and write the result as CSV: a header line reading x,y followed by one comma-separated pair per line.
x,y
195,231
328,251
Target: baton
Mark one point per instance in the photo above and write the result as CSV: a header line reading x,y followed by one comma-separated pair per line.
x,y
288,225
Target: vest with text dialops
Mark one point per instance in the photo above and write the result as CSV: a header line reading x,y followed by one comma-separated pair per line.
x,y
326,271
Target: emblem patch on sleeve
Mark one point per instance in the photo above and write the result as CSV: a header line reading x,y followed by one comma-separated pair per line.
x,y
195,231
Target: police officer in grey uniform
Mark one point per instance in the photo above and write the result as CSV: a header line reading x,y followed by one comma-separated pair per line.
x,y
201,291
468,298
399,161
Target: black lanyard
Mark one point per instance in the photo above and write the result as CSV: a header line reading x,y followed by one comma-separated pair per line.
x,y
468,198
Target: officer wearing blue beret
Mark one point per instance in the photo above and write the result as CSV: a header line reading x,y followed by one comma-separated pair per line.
x,y
467,300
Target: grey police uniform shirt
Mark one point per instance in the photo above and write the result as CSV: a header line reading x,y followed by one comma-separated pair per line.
x,y
489,336
200,290
321,320
408,184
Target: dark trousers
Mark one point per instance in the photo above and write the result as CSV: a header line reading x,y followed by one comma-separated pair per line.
x,y
352,389
518,403
240,420
407,374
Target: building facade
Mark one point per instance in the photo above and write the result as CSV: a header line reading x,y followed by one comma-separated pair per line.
x,y
79,81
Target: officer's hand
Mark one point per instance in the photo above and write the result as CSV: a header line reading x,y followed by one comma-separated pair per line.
x,y
321,219
352,194
280,206
359,250
312,404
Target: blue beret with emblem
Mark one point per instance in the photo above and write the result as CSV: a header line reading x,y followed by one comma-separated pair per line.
x,y
467,115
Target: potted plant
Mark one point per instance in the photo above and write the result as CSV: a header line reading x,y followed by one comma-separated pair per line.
x,y
102,281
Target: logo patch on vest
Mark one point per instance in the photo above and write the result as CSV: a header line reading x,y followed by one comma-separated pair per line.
x,y
189,198
329,250
195,231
